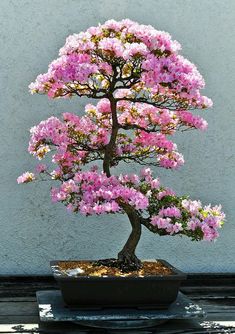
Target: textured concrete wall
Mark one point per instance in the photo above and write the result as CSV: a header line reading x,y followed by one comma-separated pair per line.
x,y
33,230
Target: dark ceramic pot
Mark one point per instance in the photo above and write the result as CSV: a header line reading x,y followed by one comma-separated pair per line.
x,y
152,292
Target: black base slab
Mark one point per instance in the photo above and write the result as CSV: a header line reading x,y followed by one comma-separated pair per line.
x,y
52,309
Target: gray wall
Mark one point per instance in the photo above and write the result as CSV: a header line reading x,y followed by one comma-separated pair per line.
x,y
33,230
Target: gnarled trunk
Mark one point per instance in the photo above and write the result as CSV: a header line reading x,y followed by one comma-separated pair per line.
x,y
126,257
127,260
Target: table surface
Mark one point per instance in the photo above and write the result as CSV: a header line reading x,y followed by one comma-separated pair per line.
x,y
215,294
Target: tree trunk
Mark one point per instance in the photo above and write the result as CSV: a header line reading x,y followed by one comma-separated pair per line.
x,y
126,257
108,154
127,260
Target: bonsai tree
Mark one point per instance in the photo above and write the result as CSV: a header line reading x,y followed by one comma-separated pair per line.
x,y
146,92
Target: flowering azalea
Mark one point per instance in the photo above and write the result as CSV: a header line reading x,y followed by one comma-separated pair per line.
x,y
146,92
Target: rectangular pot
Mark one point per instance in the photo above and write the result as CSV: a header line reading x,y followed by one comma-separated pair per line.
x,y
99,292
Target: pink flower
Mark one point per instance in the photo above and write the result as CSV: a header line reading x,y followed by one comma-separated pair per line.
x,y
103,106
192,206
133,49
174,228
172,161
194,121
209,233
26,177
193,224
155,183
146,172
170,212
113,45
162,223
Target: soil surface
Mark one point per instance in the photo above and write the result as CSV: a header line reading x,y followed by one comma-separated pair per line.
x,y
88,268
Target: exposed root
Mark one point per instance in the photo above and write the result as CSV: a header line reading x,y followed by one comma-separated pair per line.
x,y
106,262
126,262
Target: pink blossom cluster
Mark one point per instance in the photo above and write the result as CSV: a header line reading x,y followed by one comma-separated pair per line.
x,y
151,126
52,129
54,134
167,225
189,218
179,77
147,116
170,212
146,177
191,120
125,29
76,140
91,193
64,136
171,160
86,59
191,206
154,139
26,177
73,67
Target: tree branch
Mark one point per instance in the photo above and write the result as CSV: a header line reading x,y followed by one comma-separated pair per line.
x,y
137,127
161,105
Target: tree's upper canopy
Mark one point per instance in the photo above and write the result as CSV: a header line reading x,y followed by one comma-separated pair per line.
x,y
138,70
134,61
